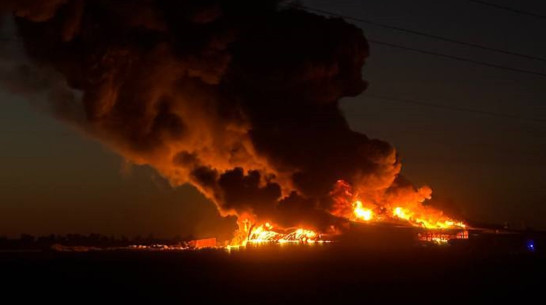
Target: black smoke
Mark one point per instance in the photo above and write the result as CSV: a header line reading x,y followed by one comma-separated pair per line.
x,y
238,98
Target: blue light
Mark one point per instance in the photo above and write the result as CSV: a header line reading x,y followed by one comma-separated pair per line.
x,y
531,245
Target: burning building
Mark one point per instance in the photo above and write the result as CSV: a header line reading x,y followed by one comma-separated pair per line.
x,y
238,98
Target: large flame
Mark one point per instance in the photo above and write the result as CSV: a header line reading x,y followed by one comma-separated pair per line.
x,y
350,206
362,213
267,233
251,233
399,210
427,217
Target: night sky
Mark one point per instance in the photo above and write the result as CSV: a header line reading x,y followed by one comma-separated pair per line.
x,y
483,167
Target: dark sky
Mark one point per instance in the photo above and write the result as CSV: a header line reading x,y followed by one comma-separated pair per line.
x,y
488,168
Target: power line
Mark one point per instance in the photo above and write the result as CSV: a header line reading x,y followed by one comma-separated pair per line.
x,y
507,8
433,105
473,61
438,54
426,52
454,108
428,35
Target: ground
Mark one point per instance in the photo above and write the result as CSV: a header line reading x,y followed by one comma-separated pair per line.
x,y
486,270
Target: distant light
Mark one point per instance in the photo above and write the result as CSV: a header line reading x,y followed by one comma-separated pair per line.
x,y
531,245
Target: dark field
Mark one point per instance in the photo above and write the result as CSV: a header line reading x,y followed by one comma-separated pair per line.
x,y
488,268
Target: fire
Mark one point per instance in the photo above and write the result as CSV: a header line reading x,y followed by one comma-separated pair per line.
x,y
301,235
427,218
401,213
397,208
362,213
263,233
268,233
441,238
393,208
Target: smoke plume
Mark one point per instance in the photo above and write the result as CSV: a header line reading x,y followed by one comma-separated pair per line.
x,y
238,98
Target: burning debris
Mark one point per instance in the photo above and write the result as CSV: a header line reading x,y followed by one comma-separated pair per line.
x,y
266,233
238,98
441,237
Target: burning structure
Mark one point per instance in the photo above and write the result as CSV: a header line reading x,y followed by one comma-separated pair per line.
x,y
238,98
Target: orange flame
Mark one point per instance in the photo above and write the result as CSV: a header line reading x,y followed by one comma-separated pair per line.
x,y
397,208
441,238
361,212
267,233
408,209
427,218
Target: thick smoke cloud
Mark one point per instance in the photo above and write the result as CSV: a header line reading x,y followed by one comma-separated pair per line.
x,y
238,98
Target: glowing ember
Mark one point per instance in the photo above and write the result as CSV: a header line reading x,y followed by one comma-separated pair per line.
x,y
441,238
266,233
